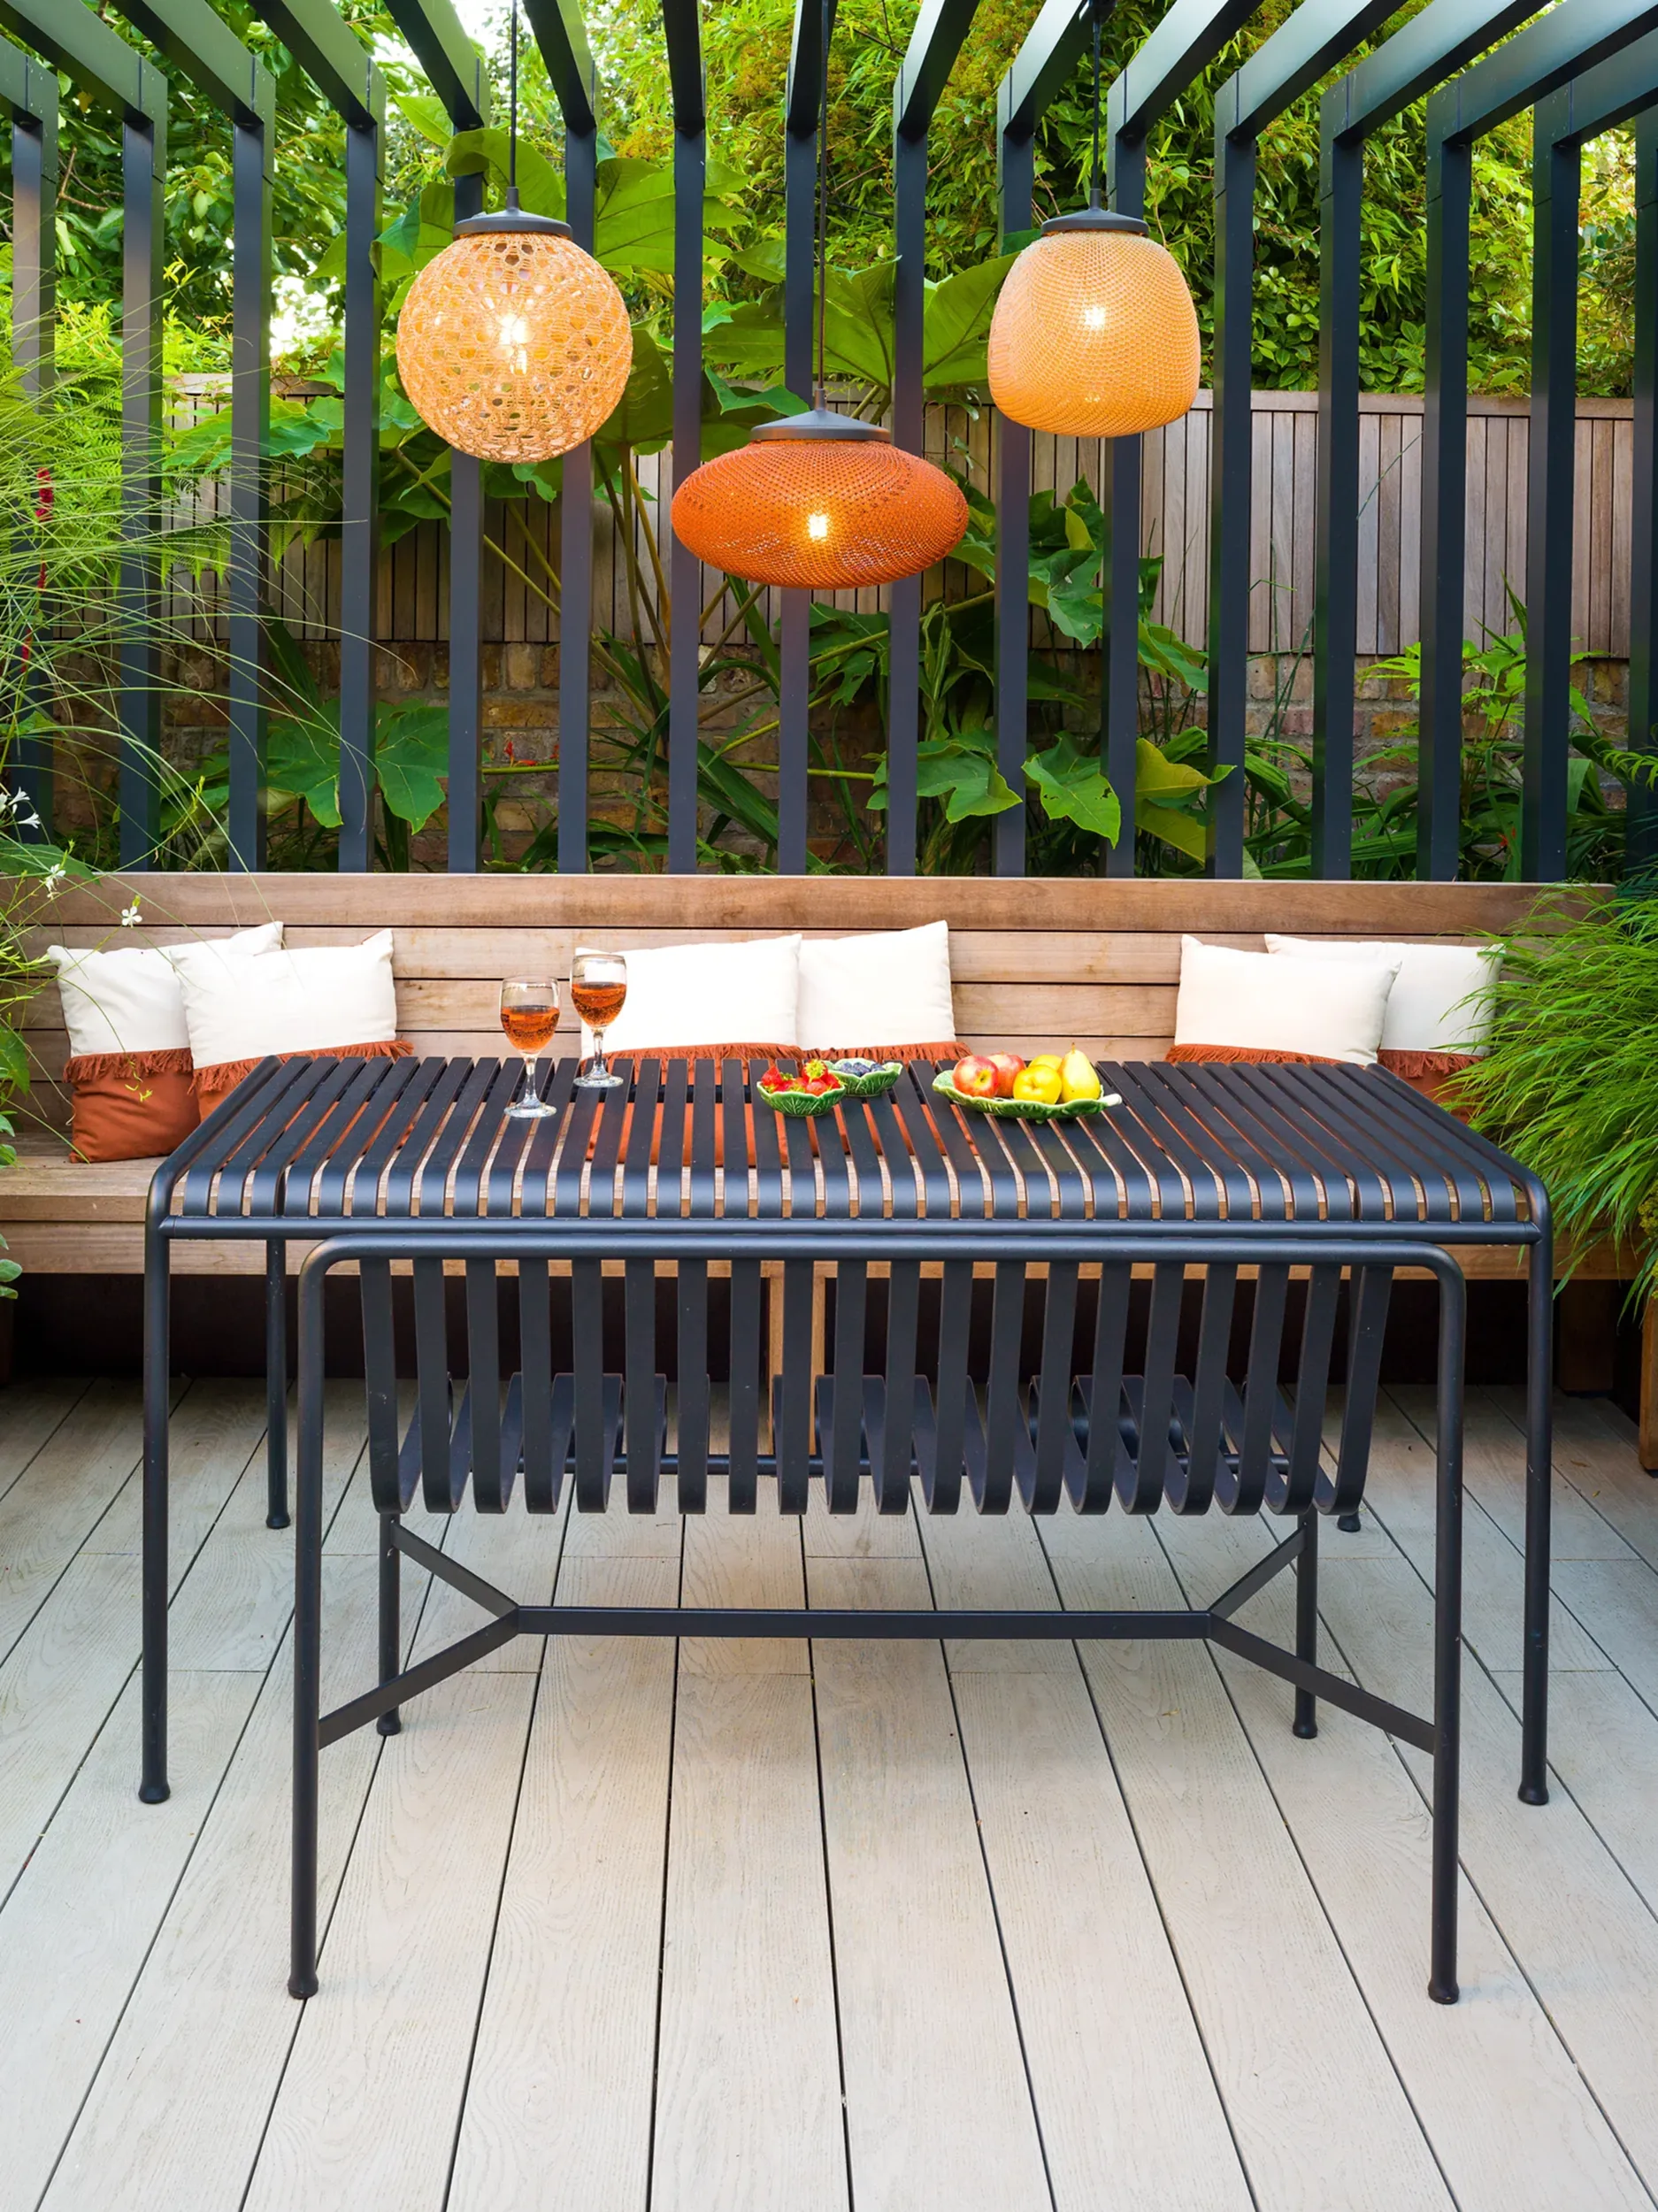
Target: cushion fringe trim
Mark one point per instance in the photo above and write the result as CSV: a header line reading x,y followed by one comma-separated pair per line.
x,y
1408,1063
224,1075
93,1067
1253,1055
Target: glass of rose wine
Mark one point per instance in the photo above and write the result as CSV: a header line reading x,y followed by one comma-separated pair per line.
x,y
529,1015
598,986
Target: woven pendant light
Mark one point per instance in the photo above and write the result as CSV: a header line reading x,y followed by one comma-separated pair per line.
x,y
819,500
514,345
1095,334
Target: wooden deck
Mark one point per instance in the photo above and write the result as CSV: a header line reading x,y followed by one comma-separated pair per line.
x,y
860,1925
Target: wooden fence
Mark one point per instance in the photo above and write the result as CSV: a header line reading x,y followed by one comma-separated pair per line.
x,y
413,599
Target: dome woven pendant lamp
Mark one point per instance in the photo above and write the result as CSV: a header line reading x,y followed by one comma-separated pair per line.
x,y
1094,333
514,345
821,502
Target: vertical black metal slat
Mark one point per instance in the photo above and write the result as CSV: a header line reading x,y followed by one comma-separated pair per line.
x,y
429,1435
689,1114
143,240
1290,1489
597,1395
792,1411
922,73
642,1419
31,93
1370,1289
1192,1473
802,98
1641,832
1240,1483
743,1443
1105,1464
543,1466
359,502
570,70
684,576
1151,1396
891,1460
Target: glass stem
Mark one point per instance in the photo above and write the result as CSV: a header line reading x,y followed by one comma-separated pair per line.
x,y
529,1097
599,1067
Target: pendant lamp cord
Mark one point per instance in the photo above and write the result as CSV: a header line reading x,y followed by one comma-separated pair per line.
x,y
823,195
513,107
1094,196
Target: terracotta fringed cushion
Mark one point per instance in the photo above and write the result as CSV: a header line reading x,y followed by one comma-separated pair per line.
x,y
1251,1054
1431,1073
130,1105
215,1083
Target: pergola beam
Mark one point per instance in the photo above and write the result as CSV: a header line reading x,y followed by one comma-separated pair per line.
x,y
1041,68
1571,39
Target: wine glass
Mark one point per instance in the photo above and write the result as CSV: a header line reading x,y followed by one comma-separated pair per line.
x,y
598,986
529,1015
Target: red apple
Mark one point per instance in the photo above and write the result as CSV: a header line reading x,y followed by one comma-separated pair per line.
x,y
976,1077
1008,1066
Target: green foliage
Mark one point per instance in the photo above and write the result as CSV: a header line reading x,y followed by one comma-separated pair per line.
x,y
1567,1082
1385,792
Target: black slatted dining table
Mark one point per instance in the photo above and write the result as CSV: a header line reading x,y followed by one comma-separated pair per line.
x,y
1272,1156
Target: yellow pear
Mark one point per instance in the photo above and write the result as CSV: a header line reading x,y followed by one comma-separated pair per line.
x,y
1078,1077
1044,1060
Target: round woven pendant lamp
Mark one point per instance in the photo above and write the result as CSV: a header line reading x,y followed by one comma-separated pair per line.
x,y
513,344
1095,334
819,502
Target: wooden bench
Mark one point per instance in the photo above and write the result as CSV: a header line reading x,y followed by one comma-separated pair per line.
x,y
1036,962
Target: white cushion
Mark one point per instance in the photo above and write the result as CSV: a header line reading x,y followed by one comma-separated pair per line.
x,y
1441,1001
314,1001
892,988
130,1001
1333,1009
683,996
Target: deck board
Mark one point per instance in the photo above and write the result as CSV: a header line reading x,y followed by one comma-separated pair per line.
x,y
1068,1929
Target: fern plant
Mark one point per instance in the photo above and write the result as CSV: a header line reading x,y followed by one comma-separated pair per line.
x,y
1567,1084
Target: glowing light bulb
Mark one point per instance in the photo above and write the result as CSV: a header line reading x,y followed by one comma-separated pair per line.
x,y
818,528
1093,318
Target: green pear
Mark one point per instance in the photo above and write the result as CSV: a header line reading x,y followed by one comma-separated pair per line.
x,y
1078,1077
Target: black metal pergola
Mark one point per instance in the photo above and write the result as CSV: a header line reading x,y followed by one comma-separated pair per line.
x,y
1570,56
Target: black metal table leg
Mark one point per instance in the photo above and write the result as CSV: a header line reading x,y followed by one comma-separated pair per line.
x,y
152,1786
302,1979
1539,1452
1306,1722
390,1615
1447,1641
275,1384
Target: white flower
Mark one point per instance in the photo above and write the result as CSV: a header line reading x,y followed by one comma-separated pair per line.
x,y
55,875
30,821
129,915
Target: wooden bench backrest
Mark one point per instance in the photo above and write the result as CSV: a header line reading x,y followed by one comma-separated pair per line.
x,y
1037,961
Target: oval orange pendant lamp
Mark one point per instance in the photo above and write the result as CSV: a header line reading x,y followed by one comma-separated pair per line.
x,y
514,345
1095,334
819,500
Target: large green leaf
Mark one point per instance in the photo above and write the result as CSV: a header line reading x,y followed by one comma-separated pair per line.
x,y
427,112
422,231
1073,788
643,417
964,775
957,328
411,750
302,761
484,154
